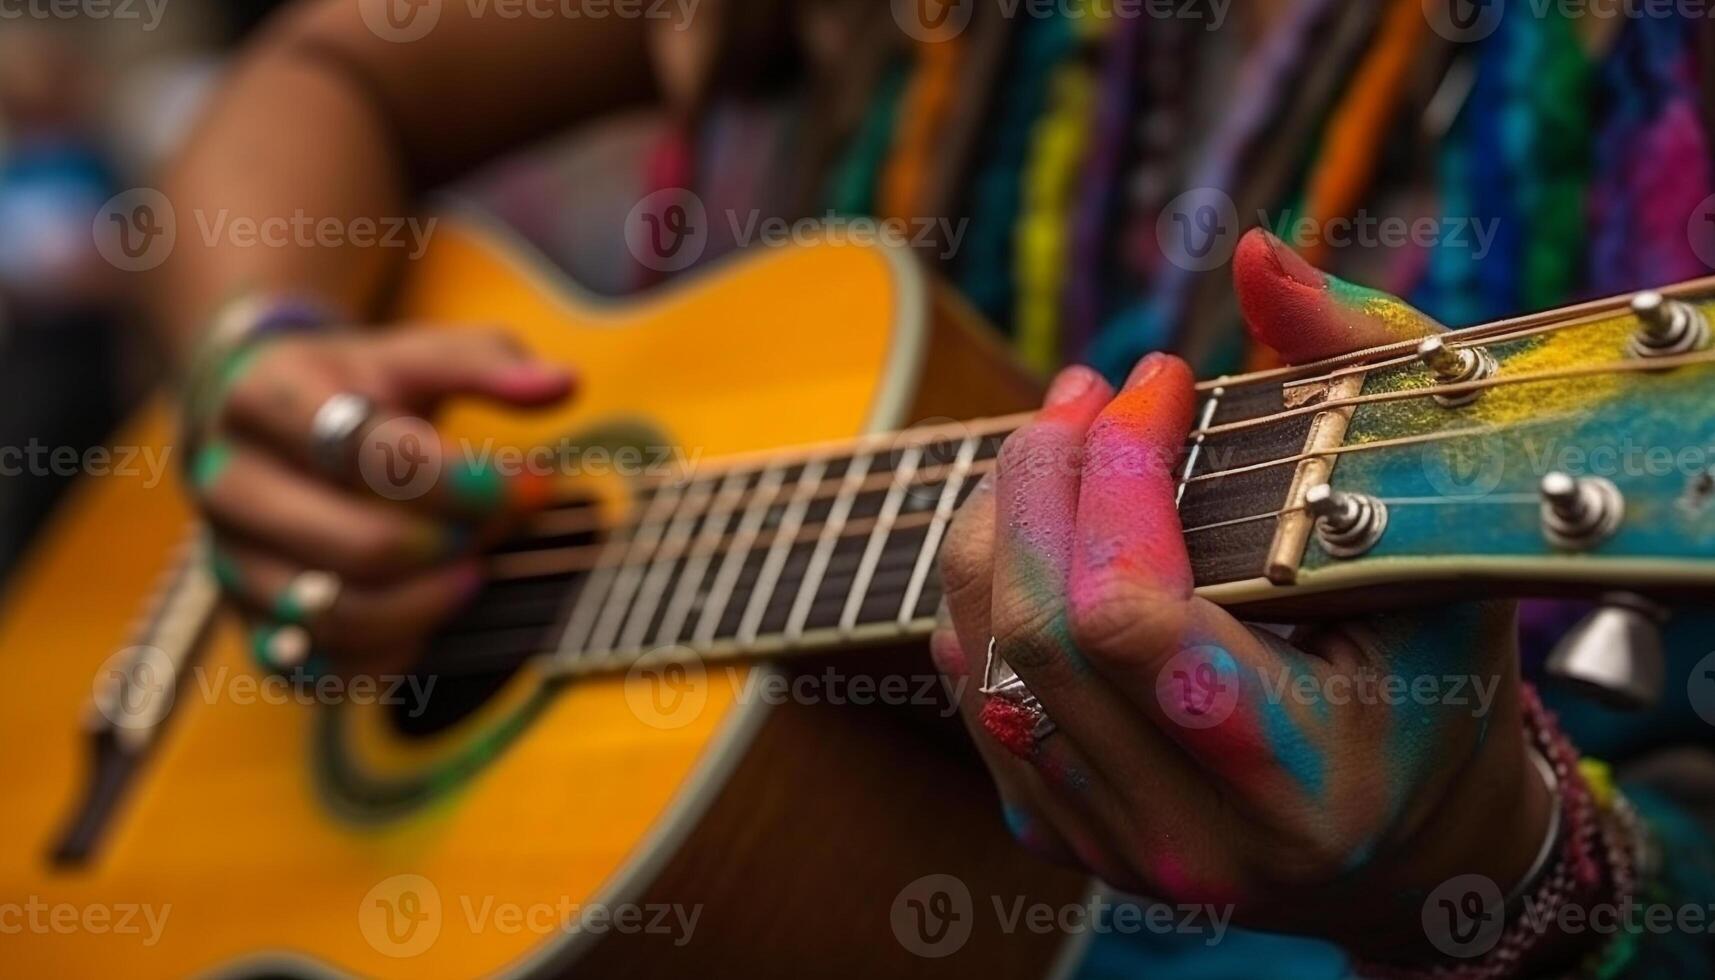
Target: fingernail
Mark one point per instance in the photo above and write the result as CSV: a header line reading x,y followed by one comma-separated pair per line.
x,y
534,379
471,582
1069,385
1292,265
1145,370
225,571
210,463
478,487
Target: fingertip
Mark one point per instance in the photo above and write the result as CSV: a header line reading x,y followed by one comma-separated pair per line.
x,y
533,383
1074,383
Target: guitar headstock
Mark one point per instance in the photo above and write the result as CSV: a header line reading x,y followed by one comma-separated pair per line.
x,y
1571,452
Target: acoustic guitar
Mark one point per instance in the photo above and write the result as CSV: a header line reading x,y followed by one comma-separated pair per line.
x,y
689,727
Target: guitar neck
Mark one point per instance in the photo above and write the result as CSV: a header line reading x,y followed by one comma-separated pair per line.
x,y
838,545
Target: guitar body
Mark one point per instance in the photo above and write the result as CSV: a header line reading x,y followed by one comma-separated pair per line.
x,y
785,831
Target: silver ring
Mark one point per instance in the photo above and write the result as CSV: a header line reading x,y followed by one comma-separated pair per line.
x,y
309,595
1001,681
334,430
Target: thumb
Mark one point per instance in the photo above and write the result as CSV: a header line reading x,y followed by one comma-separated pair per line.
x,y
1305,314
421,368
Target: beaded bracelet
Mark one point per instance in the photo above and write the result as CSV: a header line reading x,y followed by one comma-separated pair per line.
x,y
235,331
1603,841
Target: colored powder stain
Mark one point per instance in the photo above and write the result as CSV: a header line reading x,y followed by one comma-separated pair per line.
x,y
1400,320
478,487
225,570
1301,760
210,464
1010,725
1017,822
1177,883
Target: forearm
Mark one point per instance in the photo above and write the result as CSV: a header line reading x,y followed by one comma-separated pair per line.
x,y
287,139
324,131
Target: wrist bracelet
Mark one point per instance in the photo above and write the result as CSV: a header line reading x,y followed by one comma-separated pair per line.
x,y
234,331
1594,846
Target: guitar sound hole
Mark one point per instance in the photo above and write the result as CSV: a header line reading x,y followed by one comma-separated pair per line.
x,y
510,621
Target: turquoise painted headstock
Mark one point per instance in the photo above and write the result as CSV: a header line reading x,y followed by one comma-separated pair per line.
x,y
1563,453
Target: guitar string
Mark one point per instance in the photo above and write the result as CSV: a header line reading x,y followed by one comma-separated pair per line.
x,y
1364,363
1381,397
867,527
474,650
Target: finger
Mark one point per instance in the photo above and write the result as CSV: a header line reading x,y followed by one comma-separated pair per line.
x,y
1193,670
275,396
967,580
1304,314
1036,499
368,626
252,495
420,368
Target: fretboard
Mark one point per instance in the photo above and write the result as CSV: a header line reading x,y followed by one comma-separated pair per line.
x,y
839,545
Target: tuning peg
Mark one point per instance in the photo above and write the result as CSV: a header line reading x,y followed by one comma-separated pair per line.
x,y
1615,654
1347,524
1579,513
1455,365
1666,326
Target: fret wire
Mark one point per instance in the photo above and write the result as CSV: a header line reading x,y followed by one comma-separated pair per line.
x,y
784,537
732,563
661,572
842,507
1209,408
648,534
902,475
591,598
931,547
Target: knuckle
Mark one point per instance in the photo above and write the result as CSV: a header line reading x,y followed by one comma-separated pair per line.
x,y
1030,634
1116,618
375,547
1036,450
964,563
